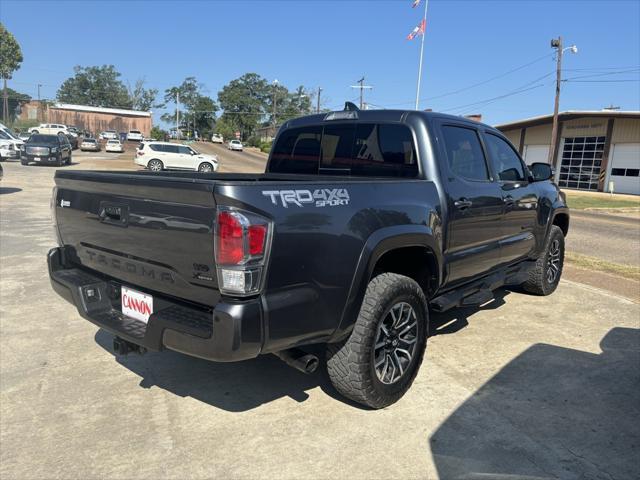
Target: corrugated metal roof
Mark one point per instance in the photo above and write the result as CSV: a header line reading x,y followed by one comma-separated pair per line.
x,y
113,111
568,114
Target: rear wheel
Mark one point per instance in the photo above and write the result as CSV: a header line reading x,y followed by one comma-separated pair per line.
x,y
545,276
377,364
205,167
155,165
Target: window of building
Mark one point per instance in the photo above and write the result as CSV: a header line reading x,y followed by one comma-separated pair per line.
x,y
464,153
580,163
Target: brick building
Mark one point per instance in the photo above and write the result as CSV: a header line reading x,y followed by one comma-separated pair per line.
x,y
94,119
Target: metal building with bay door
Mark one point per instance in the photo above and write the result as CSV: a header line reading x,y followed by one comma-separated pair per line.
x,y
597,150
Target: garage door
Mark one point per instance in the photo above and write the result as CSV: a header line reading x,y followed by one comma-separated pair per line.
x,y
536,153
625,168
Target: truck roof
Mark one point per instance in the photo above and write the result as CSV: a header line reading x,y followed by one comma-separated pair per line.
x,y
375,116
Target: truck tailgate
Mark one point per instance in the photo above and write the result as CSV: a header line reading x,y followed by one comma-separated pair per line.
x,y
150,232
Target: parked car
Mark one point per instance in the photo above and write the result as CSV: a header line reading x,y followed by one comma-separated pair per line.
x,y
114,146
363,222
90,145
109,135
217,138
49,148
134,136
10,145
73,140
235,145
158,156
24,136
49,129
72,131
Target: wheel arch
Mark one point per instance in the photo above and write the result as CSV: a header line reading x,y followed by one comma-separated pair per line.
x,y
410,250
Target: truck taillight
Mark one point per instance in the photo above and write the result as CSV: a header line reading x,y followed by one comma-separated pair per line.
x,y
241,247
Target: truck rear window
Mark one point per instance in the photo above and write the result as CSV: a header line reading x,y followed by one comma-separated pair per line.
x,y
363,149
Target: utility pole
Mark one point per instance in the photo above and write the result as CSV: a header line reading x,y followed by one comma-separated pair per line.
x,y
5,103
39,108
557,44
275,90
177,114
362,88
318,105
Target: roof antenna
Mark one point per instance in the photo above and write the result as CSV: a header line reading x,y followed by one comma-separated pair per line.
x,y
350,107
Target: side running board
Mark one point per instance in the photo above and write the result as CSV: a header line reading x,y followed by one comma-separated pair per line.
x,y
481,291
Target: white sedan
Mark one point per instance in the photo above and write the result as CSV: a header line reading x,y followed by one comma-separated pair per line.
x,y
235,145
114,146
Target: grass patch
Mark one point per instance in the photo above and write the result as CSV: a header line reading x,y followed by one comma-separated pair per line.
x,y
592,263
581,202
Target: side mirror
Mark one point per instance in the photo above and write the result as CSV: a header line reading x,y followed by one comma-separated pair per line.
x,y
541,171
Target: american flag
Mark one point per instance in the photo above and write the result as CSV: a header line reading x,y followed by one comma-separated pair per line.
x,y
419,30
415,3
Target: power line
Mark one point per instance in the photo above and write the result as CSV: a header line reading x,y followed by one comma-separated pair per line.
x,y
520,89
483,82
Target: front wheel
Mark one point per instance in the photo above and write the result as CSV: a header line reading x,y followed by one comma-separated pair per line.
x,y
69,159
205,167
545,276
377,364
155,165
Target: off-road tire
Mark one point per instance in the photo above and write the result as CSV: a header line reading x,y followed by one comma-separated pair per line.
x,y
350,364
538,282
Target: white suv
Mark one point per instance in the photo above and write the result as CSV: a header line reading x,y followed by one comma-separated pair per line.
x,y
158,156
134,136
49,129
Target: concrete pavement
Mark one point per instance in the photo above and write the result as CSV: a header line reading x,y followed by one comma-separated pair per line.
x,y
524,387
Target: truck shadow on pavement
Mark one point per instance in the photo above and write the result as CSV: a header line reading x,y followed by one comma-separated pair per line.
x,y
5,190
551,412
241,386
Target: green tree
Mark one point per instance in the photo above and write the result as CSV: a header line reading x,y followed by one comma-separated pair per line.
x,y
143,99
14,103
197,109
10,60
157,133
95,86
245,101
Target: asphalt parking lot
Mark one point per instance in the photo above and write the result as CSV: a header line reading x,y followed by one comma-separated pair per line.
x,y
524,387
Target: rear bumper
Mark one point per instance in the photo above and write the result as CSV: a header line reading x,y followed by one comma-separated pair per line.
x,y
232,331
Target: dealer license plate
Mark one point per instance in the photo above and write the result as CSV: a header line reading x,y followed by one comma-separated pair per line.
x,y
136,304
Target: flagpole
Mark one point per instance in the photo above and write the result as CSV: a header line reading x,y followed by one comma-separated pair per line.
x,y
424,20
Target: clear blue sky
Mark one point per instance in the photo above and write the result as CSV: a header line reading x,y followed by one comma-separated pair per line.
x,y
333,43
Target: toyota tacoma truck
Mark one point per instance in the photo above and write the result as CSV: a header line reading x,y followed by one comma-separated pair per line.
x,y
363,223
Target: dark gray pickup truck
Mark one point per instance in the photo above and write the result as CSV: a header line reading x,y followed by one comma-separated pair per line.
x,y
363,222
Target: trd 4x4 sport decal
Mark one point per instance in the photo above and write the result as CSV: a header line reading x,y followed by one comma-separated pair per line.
x,y
323,197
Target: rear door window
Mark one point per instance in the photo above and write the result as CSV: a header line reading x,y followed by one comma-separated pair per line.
x,y
384,150
297,151
464,153
337,146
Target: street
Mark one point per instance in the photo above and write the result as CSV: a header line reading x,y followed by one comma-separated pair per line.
x,y
610,238
523,387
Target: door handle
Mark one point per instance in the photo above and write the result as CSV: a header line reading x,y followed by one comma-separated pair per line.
x,y
463,203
